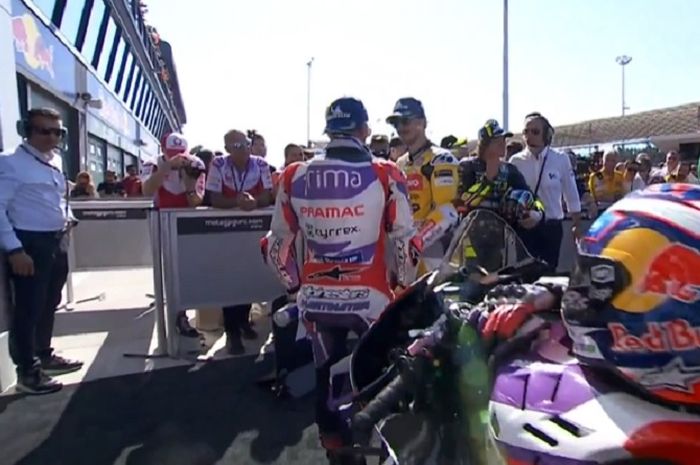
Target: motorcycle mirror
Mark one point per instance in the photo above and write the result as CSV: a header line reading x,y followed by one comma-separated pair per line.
x,y
473,269
490,279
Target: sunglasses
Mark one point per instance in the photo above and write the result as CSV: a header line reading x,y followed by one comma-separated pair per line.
x,y
534,132
402,121
58,132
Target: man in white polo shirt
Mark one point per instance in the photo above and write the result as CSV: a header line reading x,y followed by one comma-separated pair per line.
x,y
551,177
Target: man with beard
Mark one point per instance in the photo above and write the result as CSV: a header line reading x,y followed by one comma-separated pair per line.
x,y
433,180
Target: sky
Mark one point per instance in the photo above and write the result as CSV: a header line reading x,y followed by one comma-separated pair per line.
x,y
242,64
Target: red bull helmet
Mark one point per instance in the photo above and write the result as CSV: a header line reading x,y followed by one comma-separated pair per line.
x,y
633,302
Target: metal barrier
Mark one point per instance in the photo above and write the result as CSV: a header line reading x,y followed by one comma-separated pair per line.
x,y
111,234
567,254
210,258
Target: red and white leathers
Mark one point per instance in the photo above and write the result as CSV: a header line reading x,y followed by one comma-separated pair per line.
x,y
346,210
349,208
224,178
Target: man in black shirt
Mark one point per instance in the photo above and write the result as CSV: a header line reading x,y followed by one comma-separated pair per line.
x,y
110,187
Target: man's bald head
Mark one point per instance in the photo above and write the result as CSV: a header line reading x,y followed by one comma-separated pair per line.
x,y
237,143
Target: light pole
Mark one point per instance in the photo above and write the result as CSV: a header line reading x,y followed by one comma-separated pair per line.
x,y
308,101
623,60
505,64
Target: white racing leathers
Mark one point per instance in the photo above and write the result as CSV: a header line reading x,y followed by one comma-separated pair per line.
x,y
345,206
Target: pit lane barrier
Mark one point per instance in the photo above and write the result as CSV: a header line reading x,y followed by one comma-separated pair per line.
x,y
204,258
567,253
110,234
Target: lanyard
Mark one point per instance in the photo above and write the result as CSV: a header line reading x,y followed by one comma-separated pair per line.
x,y
234,172
539,178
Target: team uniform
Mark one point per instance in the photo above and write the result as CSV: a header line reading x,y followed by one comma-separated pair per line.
x,y
346,206
172,193
227,180
433,180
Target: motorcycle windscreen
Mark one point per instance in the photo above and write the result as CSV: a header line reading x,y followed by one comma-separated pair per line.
x,y
484,239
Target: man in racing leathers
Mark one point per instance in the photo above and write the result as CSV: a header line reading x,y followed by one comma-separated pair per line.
x,y
433,179
345,206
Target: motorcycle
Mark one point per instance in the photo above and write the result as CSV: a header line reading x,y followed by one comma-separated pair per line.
x,y
424,381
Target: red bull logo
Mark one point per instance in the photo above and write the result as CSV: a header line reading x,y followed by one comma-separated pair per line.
x,y
30,43
676,335
675,273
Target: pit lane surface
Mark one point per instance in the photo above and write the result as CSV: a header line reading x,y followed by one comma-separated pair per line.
x,y
205,414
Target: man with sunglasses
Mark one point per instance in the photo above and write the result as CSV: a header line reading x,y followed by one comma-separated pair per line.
x,y
239,180
34,221
551,178
433,180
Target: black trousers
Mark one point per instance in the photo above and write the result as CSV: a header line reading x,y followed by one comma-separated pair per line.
x,y
544,241
329,422
36,299
236,317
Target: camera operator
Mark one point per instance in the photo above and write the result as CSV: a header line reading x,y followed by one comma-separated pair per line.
x,y
176,180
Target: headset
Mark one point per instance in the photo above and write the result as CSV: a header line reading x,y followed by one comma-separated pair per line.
x,y
548,128
24,128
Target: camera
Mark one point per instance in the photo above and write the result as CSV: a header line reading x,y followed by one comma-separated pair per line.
x,y
193,171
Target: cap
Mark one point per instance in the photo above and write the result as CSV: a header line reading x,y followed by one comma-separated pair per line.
x,y
448,141
407,107
345,115
380,138
491,129
174,144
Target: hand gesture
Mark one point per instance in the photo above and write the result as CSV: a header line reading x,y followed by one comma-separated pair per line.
x,y
246,202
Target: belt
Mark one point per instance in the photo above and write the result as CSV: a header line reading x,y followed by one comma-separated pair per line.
x,y
39,234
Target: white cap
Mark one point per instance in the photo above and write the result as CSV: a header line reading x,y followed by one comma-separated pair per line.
x,y
174,144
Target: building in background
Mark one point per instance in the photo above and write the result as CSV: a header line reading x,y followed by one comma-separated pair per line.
x,y
661,130
105,69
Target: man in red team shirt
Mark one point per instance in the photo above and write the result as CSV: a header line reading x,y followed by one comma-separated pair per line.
x,y
176,180
239,180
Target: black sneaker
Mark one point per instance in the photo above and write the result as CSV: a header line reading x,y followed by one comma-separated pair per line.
x,y
183,326
234,344
57,365
37,383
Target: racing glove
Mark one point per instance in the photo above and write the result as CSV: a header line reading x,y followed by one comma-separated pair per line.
x,y
507,308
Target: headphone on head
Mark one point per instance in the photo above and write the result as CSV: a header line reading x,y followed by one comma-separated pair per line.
x,y
548,128
24,127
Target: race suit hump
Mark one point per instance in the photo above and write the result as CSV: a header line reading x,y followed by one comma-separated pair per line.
x,y
345,206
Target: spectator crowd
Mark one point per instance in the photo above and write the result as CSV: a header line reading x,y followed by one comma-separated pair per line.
x,y
34,232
